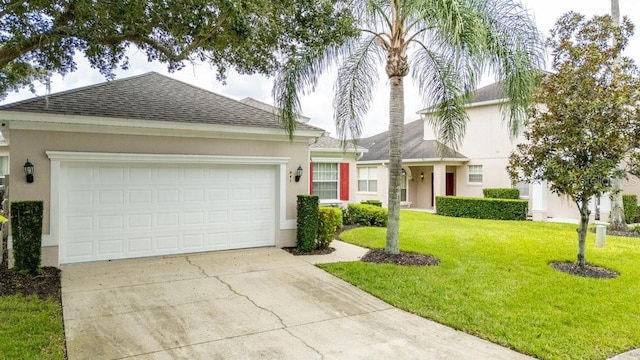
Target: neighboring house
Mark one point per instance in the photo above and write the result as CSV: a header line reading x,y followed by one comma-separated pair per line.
x,y
480,162
333,171
149,165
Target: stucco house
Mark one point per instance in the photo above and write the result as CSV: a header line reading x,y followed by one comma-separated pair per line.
x,y
149,165
332,167
480,162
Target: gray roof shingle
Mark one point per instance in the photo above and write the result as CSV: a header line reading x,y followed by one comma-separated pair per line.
x,y
151,96
413,145
488,93
331,143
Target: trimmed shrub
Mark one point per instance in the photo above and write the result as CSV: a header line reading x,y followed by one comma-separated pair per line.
x,y
372,202
501,193
329,221
630,206
26,230
367,215
307,222
479,208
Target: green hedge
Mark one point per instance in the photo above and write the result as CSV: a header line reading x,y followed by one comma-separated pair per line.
x,y
329,221
630,206
479,208
26,231
377,203
367,215
307,222
501,193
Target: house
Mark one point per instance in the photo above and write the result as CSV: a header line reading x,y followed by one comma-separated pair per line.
x,y
480,162
149,165
332,168
333,171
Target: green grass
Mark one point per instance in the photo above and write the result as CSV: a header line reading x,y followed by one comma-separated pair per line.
x,y
494,281
30,328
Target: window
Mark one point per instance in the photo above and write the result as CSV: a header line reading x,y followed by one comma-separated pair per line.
x,y
325,180
475,173
4,169
523,187
367,179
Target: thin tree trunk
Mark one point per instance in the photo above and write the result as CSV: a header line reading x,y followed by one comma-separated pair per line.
x,y
396,130
582,232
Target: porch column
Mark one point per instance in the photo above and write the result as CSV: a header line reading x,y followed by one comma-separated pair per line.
x,y
439,182
539,201
605,207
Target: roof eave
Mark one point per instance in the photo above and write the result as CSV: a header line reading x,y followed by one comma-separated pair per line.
x,y
126,123
430,110
422,160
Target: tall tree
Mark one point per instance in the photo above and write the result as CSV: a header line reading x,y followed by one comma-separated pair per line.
x,y
588,117
445,45
40,37
616,219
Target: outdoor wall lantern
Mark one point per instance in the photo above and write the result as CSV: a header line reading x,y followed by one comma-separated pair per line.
x,y
298,173
404,173
28,170
422,176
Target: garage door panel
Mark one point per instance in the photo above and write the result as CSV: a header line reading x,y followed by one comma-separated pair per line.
x,y
114,211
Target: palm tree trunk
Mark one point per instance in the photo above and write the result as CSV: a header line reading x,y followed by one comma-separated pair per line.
x,y
616,219
396,133
582,232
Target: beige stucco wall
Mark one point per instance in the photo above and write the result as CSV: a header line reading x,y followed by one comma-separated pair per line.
x,y
340,157
33,145
382,179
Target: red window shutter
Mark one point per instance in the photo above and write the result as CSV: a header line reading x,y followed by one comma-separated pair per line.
x,y
344,181
310,178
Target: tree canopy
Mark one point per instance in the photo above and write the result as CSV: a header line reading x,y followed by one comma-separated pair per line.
x,y
40,37
586,121
445,46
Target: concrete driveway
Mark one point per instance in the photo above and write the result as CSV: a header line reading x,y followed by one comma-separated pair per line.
x,y
249,304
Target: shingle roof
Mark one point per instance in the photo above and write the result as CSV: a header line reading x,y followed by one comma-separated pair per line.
x,y
413,145
488,93
270,108
151,96
330,143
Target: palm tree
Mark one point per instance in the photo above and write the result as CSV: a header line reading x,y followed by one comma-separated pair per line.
x,y
616,218
446,46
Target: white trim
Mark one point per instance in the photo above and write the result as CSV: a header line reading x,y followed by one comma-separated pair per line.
x,y
165,158
406,161
428,111
288,225
57,157
75,123
326,160
330,150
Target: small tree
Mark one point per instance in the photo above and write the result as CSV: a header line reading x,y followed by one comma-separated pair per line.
x,y
586,120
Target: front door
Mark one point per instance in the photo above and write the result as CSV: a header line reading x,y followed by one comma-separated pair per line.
x,y
451,185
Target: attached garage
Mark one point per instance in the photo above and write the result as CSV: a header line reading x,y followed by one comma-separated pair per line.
x,y
119,210
150,166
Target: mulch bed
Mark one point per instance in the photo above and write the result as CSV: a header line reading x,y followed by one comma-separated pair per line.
x,y
45,285
296,251
403,258
589,270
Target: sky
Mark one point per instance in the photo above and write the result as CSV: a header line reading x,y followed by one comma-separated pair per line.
x,y
318,105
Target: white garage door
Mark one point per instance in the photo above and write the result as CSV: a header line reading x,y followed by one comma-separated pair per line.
x,y
116,211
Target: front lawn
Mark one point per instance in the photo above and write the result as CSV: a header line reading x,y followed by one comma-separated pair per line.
x,y
30,328
494,281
